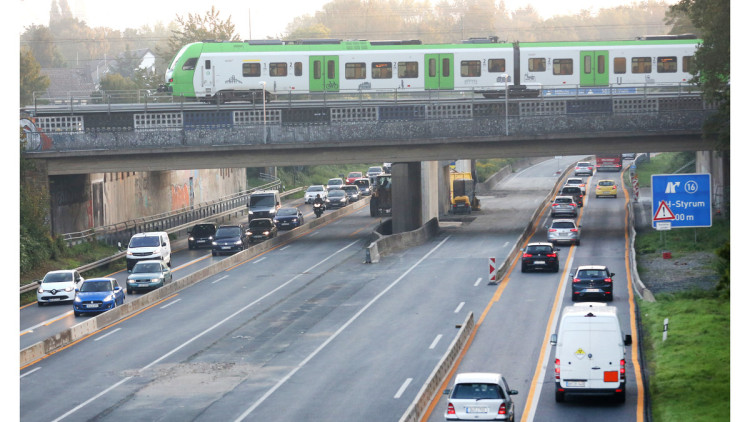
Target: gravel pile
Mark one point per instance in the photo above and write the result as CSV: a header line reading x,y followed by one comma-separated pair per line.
x,y
686,271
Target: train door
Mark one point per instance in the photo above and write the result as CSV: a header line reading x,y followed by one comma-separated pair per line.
x,y
594,68
207,77
438,71
324,73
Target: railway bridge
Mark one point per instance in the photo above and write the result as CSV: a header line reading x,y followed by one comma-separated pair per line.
x,y
414,134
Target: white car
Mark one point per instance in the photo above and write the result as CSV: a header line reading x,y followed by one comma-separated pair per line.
x,y
480,396
58,286
335,183
576,181
375,171
314,190
584,167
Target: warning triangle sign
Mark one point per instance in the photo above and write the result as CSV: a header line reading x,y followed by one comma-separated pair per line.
x,y
663,212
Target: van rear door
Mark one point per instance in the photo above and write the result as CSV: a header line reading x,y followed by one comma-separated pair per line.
x,y
590,355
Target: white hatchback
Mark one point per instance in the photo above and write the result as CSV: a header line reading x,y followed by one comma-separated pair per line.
x,y
480,396
58,286
314,190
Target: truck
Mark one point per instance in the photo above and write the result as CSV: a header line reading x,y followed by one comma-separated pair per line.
x,y
380,201
609,162
590,352
463,197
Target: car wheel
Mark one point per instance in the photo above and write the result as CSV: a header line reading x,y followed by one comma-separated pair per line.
x,y
523,268
573,297
130,291
213,253
597,196
578,243
191,247
615,195
76,313
559,396
556,268
40,304
610,297
620,397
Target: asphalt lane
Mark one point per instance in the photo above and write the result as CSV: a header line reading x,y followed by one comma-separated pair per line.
x,y
306,331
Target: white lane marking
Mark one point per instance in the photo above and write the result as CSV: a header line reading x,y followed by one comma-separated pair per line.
x,y
435,342
258,260
313,233
32,371
219,279
170,303
403,388
335,335
479,280
458,309
547,347
505,244
189,263
285,247
111,332
211,328
43,323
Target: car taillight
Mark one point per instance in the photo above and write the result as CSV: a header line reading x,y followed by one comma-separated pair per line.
x,y
622,369
555,204
501,410
574,230
614,186
527,255
576,280
552,230
451,409
557,369
607,280
551,255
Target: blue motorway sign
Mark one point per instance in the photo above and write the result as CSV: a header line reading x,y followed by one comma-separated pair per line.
x,y
682,200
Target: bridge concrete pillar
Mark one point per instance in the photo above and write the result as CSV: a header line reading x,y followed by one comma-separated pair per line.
x,y
406,196
430,189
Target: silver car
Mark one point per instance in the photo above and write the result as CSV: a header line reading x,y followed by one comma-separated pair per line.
x,y
314,190
480,396
584,167
576,181
564,231
563,205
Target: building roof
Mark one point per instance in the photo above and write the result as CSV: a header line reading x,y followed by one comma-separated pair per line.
x,y
64,82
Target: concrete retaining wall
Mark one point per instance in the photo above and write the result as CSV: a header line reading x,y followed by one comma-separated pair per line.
x,y
385,245
53,344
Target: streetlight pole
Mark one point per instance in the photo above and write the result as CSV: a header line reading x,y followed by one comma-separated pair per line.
x,y
263,84
505,78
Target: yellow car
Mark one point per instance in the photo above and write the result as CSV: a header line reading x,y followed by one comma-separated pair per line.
x,y
606,188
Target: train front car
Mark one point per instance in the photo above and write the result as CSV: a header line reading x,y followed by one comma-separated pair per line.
x,y
179,76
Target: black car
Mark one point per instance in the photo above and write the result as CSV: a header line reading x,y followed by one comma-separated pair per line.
x,y
592,280
230,239
261,229
337,198
540,255
201,235
575,192
289,218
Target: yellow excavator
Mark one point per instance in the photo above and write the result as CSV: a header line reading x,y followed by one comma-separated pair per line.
x,y
463,196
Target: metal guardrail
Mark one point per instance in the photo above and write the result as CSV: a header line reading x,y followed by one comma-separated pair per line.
x,y
33,285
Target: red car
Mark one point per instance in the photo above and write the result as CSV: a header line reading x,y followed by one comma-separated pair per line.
x,y
353,176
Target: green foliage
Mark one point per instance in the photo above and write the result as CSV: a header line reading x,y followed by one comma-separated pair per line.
x,y
31,77
696,353
116,82
488,167
40,41
664,163
723,267
199,28
704,239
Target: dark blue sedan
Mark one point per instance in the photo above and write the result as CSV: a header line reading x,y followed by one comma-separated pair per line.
x,y
98,295
288,218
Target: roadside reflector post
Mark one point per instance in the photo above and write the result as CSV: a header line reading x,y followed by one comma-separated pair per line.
x,y
666,327
493,271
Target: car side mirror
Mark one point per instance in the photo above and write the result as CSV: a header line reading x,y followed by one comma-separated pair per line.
x,y
77,290
553,339
513,392
130,270
164,243
556,249
628,340
447,391
611,274
118,288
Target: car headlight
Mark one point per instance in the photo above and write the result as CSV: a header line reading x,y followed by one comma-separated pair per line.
x,y
155,280
77,299
191,238
272,212
239,242
250,213
41,290
109,298
275,220
294,220
68,289
266,233
213,243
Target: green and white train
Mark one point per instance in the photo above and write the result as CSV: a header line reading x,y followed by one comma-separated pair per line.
x,y
231,71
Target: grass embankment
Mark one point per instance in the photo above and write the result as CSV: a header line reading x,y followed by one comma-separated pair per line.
x,y
689,373
664,163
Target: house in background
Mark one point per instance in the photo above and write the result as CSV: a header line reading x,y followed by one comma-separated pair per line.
x,y
142,58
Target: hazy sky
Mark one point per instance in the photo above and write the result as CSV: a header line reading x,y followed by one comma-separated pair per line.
x,y
268,18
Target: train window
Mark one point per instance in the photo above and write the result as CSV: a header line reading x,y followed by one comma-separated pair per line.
x,y
641,65
297,68
666,64
408,69
601,64
355,71
190,64
446,67
277,69
621,64
587,64
382,70
537,65
250,69
562,66
496,65
208,64
433,67
317,74
687,63
331,65
471,68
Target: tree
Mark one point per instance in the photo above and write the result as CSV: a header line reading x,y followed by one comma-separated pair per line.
x,y
31,77
39,39
199,28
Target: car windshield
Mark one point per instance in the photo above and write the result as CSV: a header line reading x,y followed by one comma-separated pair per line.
x,y
592,273
144,242
57,277
260,224
96,286
335,182
539,249
336,193
350,188
374,170
261,201
203,230
287,211
355,174
606,183
315,189
476,391
563,225
147,267
563,200
225,232
362,183
575,181
584,164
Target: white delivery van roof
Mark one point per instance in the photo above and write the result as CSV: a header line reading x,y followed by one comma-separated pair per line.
x,y
478,377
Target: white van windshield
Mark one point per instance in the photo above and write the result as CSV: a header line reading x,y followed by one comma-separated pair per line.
x,y
144,242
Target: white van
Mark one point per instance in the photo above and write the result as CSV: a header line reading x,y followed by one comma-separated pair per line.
x,y
263,204
151,245
590,352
